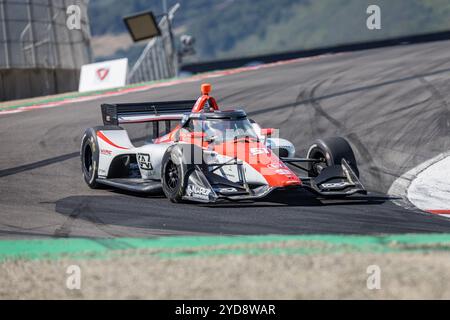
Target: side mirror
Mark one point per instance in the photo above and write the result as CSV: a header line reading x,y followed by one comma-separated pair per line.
x,y
267,132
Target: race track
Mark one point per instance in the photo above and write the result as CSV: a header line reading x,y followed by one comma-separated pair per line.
x,y
392,104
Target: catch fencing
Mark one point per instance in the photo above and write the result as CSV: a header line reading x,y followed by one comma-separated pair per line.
x,y
159,59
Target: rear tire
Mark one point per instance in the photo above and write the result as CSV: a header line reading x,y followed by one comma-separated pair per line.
x,y
89,157
331,151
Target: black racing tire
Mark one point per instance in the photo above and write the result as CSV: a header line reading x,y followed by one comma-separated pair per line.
x,y
332,151
176,165
89,155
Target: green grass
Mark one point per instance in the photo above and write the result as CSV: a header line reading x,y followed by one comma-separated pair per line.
x,y
74,95
171,247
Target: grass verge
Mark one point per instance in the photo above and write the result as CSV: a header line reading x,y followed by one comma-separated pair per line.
x,y
177,247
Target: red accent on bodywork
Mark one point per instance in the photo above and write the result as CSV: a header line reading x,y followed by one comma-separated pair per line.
x,y
256,154
198,107
200,104
105,138
168,137
439,211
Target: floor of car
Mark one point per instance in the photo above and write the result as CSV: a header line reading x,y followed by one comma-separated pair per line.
x,y
133,184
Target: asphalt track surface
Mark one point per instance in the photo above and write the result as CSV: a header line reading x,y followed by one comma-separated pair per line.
x,y
391,103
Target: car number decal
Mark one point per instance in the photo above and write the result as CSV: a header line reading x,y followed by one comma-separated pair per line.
x,y
143,160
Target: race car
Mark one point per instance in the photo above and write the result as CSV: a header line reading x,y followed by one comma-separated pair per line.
x,y
200,153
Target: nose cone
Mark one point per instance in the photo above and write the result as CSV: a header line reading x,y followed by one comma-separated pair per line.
x,y
262,159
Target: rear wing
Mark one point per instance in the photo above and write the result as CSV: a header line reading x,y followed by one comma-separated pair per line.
x,y
115,114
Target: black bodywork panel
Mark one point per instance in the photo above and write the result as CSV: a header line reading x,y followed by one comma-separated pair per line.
x,y
112,112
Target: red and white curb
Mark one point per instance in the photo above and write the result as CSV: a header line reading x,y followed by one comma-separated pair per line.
x,y
168,83
426,187
430,191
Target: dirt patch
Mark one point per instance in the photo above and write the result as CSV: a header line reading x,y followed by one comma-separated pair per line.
x,y
284,276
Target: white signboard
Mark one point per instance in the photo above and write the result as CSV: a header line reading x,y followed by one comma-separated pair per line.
x,y
103,75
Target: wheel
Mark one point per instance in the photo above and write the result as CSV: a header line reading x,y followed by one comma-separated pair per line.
x,y
172,175
89,157
89,154
331,151
178,161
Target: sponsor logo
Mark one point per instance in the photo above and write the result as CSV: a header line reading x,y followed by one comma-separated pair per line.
x,y
276,166
337,185
227,190
256,151
197,192
102,73
143,160
106,152
285,172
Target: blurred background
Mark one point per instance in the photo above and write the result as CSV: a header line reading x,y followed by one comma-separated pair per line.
x,y
236,28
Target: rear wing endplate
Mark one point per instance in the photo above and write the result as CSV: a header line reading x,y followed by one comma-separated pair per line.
x,y
115,114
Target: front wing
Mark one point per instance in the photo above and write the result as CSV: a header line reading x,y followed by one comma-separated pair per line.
x,y
206,187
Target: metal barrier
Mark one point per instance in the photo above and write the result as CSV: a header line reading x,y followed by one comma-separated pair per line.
x,y
39,53
34,34
159,59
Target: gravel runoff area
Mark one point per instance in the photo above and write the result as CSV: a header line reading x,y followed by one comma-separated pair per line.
x,y
283,270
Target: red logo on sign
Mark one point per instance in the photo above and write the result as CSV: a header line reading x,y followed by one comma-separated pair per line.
x,y
102,73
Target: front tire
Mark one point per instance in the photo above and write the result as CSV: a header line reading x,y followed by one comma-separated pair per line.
x,y
178,163
173,175
331,151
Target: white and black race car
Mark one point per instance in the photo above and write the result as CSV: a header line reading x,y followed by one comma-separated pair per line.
x,y
210,155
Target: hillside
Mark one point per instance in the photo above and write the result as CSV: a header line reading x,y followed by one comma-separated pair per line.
x,y
231,28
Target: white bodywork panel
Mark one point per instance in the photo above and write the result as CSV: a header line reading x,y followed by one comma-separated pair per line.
x,y
148,118
108,152
154,153
149,156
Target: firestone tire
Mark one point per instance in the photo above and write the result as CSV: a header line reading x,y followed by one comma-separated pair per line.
x,y
89,155
333,150
177,164
172,175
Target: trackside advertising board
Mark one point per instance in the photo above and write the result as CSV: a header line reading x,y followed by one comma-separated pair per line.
x,y
103,75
